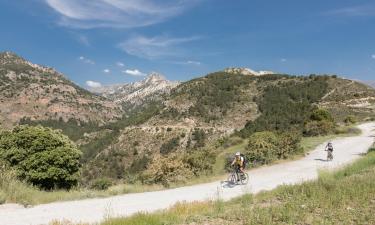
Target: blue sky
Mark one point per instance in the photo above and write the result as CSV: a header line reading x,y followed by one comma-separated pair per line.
x,y
116,41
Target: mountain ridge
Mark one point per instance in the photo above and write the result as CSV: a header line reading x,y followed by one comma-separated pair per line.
x,y
33,92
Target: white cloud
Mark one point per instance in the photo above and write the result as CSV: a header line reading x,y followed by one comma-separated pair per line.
x,y
154,47
120,64
189,62
106,70
373,56
116,13
93,84
86,60
354,11
193,62
135,73
283,60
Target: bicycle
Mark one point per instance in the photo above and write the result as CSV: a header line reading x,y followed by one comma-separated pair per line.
x,y
238,176
329,155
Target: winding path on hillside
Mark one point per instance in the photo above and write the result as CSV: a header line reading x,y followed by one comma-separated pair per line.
x,y
265,178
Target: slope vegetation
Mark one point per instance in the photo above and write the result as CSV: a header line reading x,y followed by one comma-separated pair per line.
x,y
31,92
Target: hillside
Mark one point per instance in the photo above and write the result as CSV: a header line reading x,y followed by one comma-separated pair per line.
x,y
201,114
38,93
348,97
165,120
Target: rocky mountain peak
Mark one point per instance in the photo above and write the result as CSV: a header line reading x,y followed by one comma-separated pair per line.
x,y
151,87
154,77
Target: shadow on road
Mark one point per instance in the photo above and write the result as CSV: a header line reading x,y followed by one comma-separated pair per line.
x,y
227,184
322,160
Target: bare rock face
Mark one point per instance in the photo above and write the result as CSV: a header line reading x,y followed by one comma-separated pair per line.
x,y
150,88
247,71
37,92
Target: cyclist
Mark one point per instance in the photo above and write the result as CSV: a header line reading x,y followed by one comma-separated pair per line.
x,y
239,162
329,148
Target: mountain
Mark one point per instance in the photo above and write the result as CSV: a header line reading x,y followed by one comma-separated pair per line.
x,y
37,93
202,113
150,88
189,118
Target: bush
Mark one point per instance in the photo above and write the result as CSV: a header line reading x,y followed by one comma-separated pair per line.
x,y
288,144
101,184
321,115
321,122
262,147
41,156
200,162
316,128
265,147
167,170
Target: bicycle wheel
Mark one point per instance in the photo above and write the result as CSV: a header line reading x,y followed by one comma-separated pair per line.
x,y
329,156
244,178
232,178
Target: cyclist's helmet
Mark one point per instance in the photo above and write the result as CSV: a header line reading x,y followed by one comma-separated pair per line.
x,y
238,153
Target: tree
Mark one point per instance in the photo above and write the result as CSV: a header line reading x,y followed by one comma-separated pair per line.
x,y
42,156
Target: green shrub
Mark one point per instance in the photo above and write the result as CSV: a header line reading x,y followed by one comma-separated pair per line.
x,y
321,122
262,147
321,115
265,147
200,162
167,170
101,184
316,128
288,144
42,156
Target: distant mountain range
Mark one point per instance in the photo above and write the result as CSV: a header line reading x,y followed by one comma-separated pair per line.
x,y
151,88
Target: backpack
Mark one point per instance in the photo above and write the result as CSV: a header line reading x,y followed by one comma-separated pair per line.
x,y
244,160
